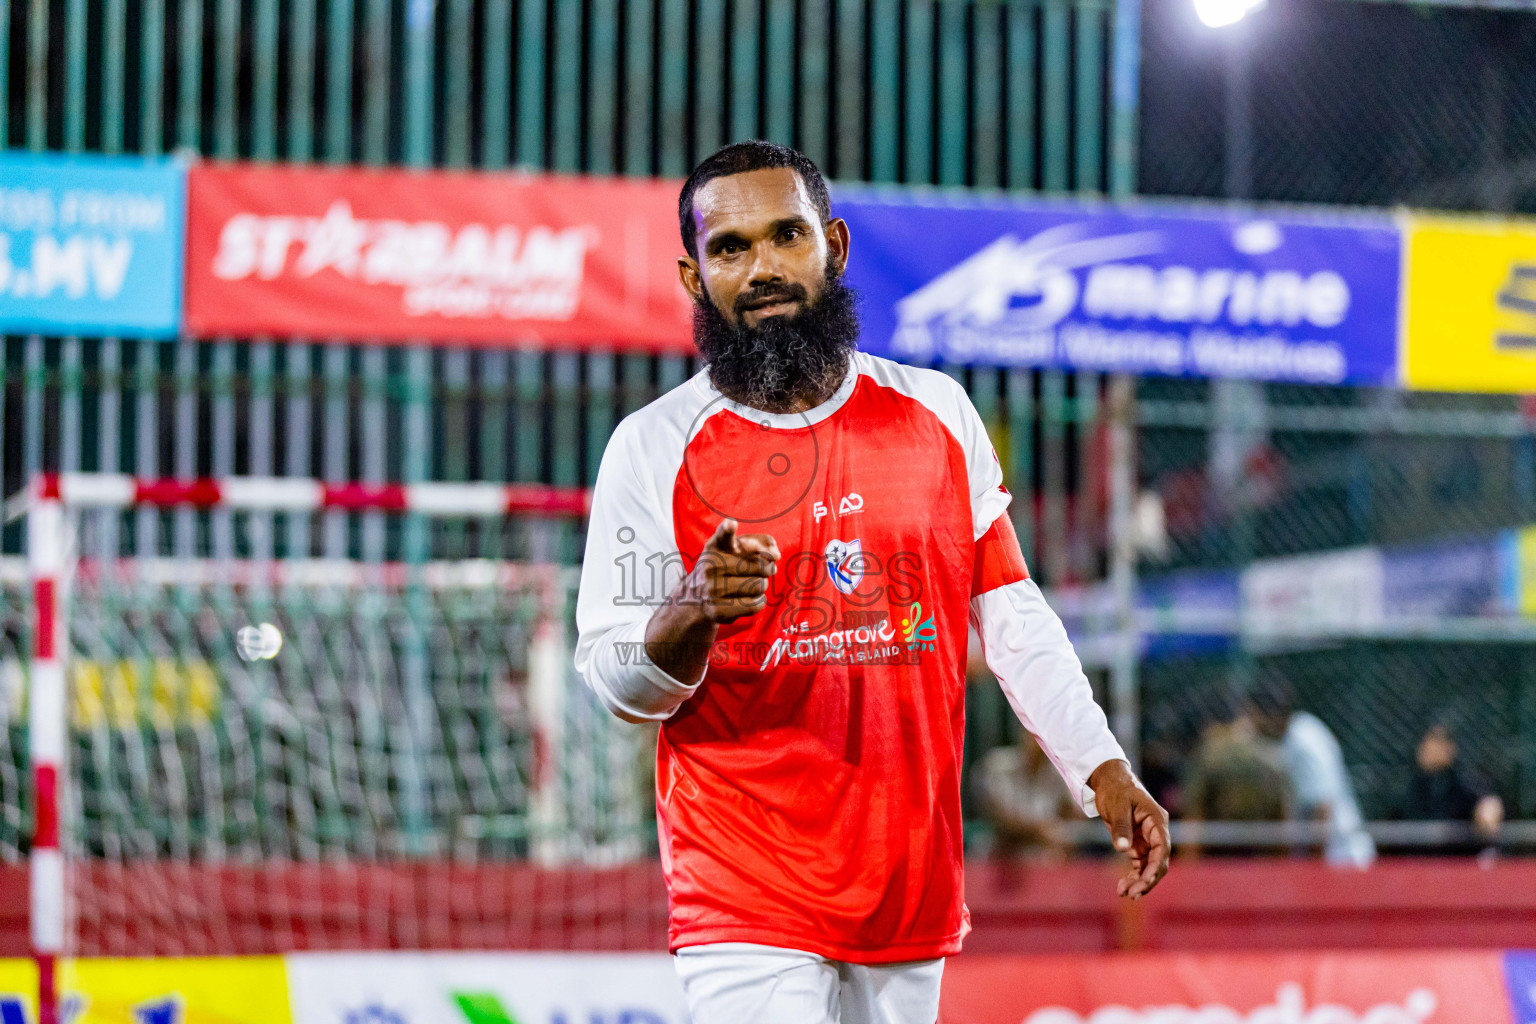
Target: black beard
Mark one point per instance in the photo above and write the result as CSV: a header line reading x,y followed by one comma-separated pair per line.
x,y
804,355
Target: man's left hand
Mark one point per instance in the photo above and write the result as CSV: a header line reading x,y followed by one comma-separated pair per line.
x,y
1137,823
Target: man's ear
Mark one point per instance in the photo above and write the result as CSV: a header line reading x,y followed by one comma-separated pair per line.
x,y
688,274
837,243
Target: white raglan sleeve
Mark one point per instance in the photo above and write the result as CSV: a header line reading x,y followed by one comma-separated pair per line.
x,y
989,498
630,564
1022,638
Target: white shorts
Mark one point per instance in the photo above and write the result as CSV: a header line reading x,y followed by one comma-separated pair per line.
x,y
745,983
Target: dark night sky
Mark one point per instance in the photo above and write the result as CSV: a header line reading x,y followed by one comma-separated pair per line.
x,y
1357,103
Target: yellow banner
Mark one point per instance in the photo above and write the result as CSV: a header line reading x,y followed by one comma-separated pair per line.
x,y
1471,310
189,990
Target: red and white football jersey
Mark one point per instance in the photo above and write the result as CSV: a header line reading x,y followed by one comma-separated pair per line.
x,y
808,787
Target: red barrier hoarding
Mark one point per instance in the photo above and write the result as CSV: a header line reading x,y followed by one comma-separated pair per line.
x,y
1402,987
396,255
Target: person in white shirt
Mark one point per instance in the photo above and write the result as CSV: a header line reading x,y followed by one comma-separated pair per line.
x,y
1320,782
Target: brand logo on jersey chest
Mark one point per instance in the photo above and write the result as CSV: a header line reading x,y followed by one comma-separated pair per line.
x,y
852,502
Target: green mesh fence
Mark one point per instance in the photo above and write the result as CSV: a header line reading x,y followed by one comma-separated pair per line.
x,y
1294,497
1377,697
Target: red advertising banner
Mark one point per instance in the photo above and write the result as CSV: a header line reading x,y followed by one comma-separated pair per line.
x,y
1400,987
395,255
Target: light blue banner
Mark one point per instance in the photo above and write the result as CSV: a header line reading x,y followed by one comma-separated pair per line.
x,y
91,245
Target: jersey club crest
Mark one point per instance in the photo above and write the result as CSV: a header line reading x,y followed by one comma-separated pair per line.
x,y
844,565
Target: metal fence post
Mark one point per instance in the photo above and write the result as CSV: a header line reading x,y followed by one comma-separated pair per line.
x,y
1125,702
1125,679
421,24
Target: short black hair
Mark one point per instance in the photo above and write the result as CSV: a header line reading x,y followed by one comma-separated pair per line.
x,y
1273,695
1440,720
739,158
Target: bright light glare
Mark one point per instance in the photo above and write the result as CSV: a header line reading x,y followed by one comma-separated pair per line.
x,y
1218,13
258,643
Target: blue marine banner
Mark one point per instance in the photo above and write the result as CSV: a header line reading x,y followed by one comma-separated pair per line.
x,y
1140,289
91,245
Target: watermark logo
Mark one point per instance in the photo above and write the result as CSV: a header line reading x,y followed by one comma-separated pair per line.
x,y
788,457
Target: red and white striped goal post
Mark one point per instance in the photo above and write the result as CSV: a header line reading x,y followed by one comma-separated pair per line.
x,y
292,494
51,494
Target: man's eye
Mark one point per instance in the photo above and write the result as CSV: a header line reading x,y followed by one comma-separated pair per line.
x,y
790,234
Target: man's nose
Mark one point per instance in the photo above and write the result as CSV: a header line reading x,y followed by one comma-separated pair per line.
x,y
765,269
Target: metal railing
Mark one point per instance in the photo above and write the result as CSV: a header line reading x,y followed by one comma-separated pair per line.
x,y
1312,836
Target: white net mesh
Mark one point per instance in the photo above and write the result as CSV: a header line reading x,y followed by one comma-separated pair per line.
x,y
392,774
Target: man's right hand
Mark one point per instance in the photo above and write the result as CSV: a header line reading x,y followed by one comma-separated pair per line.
x,y
730,580
731,576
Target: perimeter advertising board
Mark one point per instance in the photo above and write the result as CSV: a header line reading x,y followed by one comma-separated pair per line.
x,y
396,255
90,245
1471,305
1126,289
1279,987
164,990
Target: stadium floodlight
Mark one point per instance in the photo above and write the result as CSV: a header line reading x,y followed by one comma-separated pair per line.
x,y
1219,13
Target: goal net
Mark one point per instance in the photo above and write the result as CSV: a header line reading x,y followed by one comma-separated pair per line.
x,y
238,755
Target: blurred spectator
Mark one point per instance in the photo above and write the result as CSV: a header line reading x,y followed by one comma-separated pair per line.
x,y
1320,783
1022,797
1237,774
1440,791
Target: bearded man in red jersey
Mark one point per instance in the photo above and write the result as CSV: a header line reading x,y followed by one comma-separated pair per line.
x,y
783,556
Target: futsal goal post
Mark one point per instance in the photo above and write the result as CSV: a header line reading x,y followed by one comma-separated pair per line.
x,y
237,753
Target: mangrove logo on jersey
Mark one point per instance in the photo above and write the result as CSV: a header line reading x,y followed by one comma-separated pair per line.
x,y
90,244
1197,294
852,645
437,256
1471,309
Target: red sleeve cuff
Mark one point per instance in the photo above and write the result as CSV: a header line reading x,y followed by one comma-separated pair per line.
x,y
999,561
